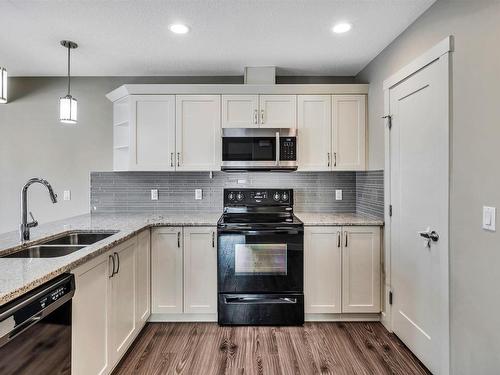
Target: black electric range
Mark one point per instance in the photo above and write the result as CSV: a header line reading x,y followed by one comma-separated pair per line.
x,y
260,259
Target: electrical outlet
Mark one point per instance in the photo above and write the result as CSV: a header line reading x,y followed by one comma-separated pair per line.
x,y
338,195
198,194
154,194
67,195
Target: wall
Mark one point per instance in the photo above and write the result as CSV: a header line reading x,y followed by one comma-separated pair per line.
x,y
34,143
475,181
117,192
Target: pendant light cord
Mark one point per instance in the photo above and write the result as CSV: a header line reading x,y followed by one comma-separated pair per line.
x,y
69,65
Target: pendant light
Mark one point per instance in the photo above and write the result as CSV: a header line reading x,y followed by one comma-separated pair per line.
x,y
68,104
3,85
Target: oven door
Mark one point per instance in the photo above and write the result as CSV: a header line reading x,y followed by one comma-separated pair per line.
x,y
249,152
261,261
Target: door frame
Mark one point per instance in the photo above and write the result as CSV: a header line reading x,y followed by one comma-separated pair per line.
x,y
440,51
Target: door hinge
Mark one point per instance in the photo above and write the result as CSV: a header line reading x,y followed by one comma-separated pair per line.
x,y
390,297
390,210
389,120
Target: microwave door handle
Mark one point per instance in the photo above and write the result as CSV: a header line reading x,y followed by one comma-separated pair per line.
x,y
277,148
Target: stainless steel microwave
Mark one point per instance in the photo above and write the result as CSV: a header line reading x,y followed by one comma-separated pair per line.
x,y
259,149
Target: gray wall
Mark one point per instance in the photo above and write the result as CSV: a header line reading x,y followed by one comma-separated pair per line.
x,y
34,143
475,180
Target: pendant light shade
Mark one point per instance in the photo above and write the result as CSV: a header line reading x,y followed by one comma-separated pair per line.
x,y
3,85
68,110
68,106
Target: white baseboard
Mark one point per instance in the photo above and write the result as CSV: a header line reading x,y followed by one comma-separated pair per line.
x,y
156,318
342,317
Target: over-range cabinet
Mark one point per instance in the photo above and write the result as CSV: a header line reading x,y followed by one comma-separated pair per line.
x,y
260,259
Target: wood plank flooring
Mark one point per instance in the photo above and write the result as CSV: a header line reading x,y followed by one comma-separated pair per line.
x,y
315,348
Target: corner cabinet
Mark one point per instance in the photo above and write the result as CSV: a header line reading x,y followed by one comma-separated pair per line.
x,y
342,269
109,308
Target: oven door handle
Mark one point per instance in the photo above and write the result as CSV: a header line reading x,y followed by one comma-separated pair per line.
x,y
258,300
249,232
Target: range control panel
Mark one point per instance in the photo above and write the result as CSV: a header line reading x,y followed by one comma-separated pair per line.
x,y
288,148
258,197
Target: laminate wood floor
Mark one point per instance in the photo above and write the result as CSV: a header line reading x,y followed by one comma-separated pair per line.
x,y
315,348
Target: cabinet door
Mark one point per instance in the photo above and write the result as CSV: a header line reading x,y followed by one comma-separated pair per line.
x,y
278,111
349,132
143,279
315,129
122,296
89,351
198,133
152,133
322,269
361,270
240,111
166,270
200,270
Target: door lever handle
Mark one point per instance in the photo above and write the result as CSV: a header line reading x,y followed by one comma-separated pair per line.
x,y
429,236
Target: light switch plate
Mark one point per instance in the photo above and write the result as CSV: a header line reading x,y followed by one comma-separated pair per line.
x,y
338,195
67,195
198,194
489,218
154,194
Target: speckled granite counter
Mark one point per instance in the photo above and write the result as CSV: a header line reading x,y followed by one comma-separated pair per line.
x,y
19,275
347,219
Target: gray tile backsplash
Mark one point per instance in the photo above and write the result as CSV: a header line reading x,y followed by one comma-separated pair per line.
x,y
114,192
370,193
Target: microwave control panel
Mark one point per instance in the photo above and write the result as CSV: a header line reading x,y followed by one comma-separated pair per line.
x,y
288,148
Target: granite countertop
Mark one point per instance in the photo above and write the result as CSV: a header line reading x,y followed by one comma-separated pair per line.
x,y
20,275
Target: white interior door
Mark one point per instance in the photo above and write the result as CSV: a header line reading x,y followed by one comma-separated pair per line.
x,y
419,173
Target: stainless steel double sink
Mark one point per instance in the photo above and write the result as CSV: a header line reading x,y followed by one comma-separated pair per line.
x,y
63,245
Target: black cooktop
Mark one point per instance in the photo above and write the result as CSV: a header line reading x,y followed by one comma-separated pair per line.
x,y
251,219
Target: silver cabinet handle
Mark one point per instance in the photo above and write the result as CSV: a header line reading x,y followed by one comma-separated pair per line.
x,y
178,239
178,159
262,116
213,239
171,159
334,159
117,261
255,116
338,239
346,236
328,159
112,258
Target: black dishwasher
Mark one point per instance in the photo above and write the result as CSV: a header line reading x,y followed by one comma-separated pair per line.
x,y
35,330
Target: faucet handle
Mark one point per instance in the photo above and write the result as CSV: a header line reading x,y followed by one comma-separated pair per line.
x,y
34,223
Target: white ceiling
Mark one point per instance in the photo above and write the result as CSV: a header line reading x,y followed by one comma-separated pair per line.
x,y
132,37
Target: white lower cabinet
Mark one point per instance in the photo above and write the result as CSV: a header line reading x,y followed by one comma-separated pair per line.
x,y
361,270
90,313
342,269
184,270
200,270
322,270
166,270
110,306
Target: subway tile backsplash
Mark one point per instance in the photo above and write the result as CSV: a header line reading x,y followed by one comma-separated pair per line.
x,y
118,192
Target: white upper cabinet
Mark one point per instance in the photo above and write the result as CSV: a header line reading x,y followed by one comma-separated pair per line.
x,y
240,111
198,133
278,111
322,270
314,128
361,270
349,132
152,134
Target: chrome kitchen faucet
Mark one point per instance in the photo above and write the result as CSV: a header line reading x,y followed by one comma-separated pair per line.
x,y
24,228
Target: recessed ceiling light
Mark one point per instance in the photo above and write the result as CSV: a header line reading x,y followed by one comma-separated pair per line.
x,y
342,27
179,28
